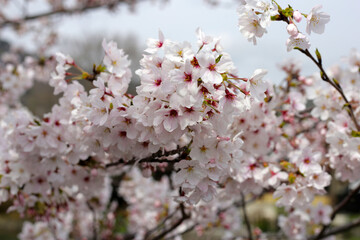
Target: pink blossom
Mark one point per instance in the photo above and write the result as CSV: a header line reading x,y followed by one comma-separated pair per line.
x,y
316,20
297,16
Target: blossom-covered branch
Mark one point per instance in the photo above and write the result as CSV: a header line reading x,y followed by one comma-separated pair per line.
x,y
155,157
334,83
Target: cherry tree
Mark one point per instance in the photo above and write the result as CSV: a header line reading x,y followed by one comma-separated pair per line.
x,y
196,144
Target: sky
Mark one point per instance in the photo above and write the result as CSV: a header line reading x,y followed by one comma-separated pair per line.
x,y
178,20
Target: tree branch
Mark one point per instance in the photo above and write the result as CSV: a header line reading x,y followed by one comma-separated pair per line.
x,y
85,8
336,211
95,235
161,224
184,216
338,230
154,158
343,228
246,219
336,85
182,233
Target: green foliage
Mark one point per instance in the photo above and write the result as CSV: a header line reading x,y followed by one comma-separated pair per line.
x,y
287,12
218,58
355,133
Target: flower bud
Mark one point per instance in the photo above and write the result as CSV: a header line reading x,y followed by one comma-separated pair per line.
x,y
297,16
94,172
292,29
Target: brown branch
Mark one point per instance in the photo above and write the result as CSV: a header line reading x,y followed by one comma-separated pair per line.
x,y
337,86
95,235
154,158
246,219
337,209
345,201
338,230
182,233
161,224
343,228
85,8
184,216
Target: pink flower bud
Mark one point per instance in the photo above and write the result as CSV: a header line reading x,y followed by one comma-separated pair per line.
x,y
94,172
292,29
297,16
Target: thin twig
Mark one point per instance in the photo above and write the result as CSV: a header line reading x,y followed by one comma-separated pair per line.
x,y
161,224
338,88
94,221
338,230
61,11
343,228
246,219
153,158
336,211
345,201
184,216
182,233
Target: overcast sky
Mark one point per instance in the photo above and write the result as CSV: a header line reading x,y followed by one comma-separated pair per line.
x,y
179,19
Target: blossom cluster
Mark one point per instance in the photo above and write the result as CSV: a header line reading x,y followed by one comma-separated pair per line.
x,y
235,134
330,106
255,17
186,98
17,76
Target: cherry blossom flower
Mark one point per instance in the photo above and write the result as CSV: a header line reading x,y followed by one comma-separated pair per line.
x,y
256,84
321,214
250,25
190,172
155,44
297,16
299,40
316,20
115,59
292,29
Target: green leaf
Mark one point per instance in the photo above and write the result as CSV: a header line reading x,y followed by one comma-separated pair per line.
x,y
42,61
85,75
121,224
292,178
322,75
37,122
355,133
40,207
346,105
100,68
218,58
285,164
318,55
268,99
111,105
276,18
300,49
293,84
287,12
285,135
